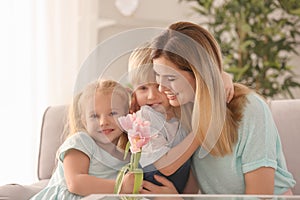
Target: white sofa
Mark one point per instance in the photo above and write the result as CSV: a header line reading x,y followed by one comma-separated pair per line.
x,y
286,114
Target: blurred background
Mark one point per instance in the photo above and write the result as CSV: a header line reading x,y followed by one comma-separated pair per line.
x,y
45,42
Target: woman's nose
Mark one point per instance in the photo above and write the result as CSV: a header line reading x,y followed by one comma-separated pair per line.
x,y
163,85
162,88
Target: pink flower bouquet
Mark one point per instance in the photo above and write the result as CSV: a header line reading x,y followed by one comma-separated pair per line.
x,y
138,132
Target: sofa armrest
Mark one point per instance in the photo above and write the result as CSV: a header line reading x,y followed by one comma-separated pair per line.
x,y
21,192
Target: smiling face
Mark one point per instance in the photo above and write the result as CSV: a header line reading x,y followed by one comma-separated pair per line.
x,y
148,94
177,84
101,116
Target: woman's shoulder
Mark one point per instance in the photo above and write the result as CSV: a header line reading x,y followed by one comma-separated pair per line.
x,y
256,115
255,103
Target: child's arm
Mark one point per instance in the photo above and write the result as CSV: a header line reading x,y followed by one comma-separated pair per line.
x,y
191,186
177,156
76,166
228,85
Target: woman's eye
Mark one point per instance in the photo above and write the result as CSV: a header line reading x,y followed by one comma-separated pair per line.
x,y
171,78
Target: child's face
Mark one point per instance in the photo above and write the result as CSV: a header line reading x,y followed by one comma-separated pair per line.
x,y
101,118
148,94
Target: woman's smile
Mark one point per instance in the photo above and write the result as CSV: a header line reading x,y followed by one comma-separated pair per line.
x,y
171,96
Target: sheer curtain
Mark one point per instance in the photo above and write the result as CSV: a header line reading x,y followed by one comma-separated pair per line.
x,y
38,66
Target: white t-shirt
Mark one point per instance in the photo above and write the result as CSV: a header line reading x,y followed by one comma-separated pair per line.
x,y
164,135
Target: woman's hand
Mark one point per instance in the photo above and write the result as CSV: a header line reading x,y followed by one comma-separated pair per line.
x,y
228,85
166,188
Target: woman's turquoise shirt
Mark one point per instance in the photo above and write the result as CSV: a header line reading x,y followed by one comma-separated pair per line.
x,y
258,146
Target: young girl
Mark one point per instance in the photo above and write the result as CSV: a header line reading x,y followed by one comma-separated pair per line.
x,y
167,129
90,158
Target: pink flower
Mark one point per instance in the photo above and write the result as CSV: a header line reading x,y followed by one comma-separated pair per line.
x,y
138,135
138,131
126,122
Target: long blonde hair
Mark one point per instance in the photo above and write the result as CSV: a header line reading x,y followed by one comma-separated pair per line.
x,y
78,105
193,49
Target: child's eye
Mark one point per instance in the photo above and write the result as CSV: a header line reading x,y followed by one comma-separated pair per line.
x,y
113,113
142,88
94,115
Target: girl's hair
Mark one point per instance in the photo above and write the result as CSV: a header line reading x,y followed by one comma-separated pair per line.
x,y
194,49
140,67
78,105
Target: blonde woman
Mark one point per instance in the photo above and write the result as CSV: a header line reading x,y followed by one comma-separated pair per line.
x,y
239,149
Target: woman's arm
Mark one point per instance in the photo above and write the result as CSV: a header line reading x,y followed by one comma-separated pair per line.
x,y
76,166
260,181
177,156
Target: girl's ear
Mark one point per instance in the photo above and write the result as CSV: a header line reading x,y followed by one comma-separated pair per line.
x,y
133,105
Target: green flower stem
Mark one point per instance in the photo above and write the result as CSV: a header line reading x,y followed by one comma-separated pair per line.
x,y
136,160
132,167
138,173
138,180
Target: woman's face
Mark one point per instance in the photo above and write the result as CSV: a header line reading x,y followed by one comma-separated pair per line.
x,y
177,84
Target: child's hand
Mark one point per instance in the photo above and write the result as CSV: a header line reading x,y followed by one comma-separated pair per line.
x,y
128,183
228,85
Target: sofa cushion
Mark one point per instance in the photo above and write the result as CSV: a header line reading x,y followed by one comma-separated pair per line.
x,y
51,138
21,192
286,114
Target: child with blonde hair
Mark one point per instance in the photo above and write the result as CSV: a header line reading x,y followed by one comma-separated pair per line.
x,y
154,106
92,155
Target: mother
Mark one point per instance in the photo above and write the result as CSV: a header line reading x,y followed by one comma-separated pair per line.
x,y
239,146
